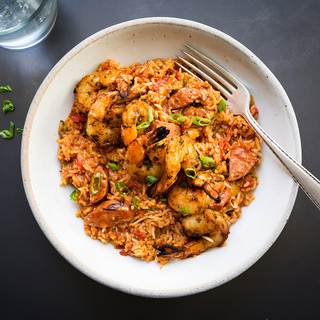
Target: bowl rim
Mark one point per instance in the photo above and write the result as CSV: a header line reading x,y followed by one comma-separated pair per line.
x,y
32,199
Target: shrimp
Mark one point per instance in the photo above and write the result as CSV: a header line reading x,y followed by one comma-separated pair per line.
x,y
138,165
104,120
102,133
86,89
210,226
110,213
136,110
101,106
180,153
202,193
136,151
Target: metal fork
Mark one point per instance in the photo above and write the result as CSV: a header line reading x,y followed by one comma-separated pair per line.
x,y
238,100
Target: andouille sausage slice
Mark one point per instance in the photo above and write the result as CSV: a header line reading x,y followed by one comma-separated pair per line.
x,y
240,163
98,193
110,213
183,97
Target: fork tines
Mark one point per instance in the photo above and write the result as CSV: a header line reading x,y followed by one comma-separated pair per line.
x,y
224,86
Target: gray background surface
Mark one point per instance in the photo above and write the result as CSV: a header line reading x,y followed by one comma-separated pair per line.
x,y
36,282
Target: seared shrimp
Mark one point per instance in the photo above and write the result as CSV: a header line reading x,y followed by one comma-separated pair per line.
x,y
180,154
210,226
136,110
136,151
86,89
199,196
104,119
101,106
102,133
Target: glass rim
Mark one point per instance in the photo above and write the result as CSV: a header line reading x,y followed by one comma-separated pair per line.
x,y
25,22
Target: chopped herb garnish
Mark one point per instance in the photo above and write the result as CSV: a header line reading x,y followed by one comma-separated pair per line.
x,y
63,129
123,186
222,105
136,203
146,124
184,211
8,134
7,106
185,81
201,122
74,195
5,89
190,172
19,130
207,162
254,176
96,176
152,180
163,199
177,118
199,220
113,166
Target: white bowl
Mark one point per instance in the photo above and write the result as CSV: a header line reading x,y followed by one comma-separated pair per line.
x,y
252,235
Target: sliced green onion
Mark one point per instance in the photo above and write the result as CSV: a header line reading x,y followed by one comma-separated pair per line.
x,y
184,211
8,134
222,105
5,89
19,130
177,117
136,203
123,186
96,176
63,128
254,176
74,195
201,122
193,173
7,106
146,124
113,166
150,113
143,125
152,180
185,81
163,199
207,160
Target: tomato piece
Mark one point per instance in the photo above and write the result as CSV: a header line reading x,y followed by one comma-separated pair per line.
x,y
248,182
254,111
140,234
77,118
105,65
79,163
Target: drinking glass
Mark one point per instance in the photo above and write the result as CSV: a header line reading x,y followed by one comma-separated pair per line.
x,y
24,23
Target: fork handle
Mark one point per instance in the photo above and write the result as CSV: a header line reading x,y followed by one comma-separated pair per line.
x,y
308,182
